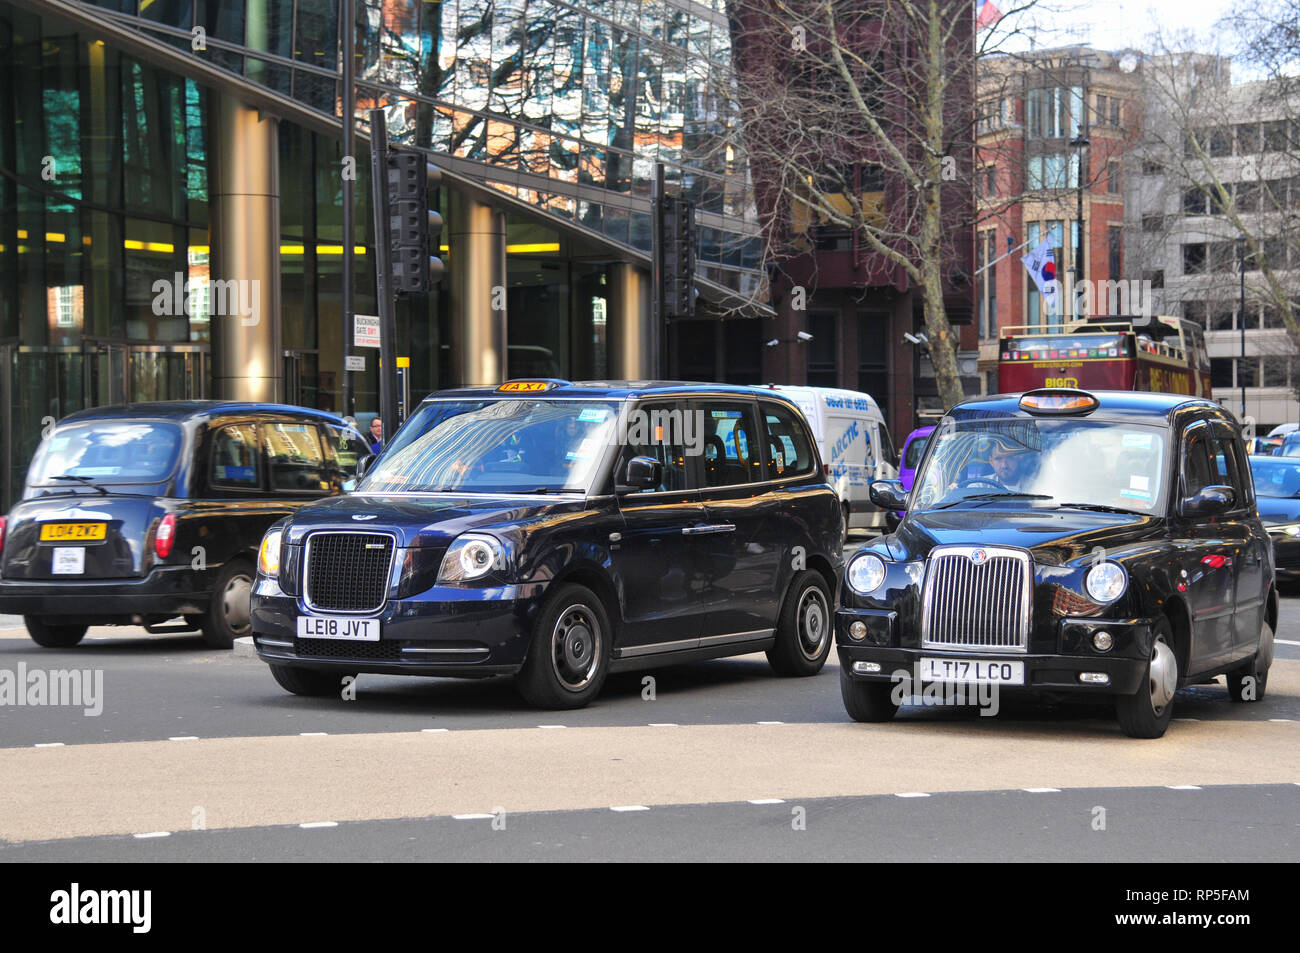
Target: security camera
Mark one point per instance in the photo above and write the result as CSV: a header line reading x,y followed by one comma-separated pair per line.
x,y
772,343
804,336
920,339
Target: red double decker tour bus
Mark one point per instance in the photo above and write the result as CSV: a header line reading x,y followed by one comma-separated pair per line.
x,y
1142,352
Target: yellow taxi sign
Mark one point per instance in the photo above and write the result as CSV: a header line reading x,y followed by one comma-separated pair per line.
x,y
525,387
73,532
1058,402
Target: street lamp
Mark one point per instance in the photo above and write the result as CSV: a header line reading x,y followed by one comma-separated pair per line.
x,y
1081,143
1241,318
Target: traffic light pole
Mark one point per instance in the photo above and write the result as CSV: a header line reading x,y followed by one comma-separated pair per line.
x,y
383,272
657,268
347,30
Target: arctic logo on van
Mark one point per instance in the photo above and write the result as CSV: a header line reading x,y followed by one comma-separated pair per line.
x,y
363,516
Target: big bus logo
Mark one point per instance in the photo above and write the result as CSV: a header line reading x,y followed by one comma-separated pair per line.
x,y
1061,382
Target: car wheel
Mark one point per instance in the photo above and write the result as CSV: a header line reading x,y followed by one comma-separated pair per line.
x,y
51,636
1146,713
1247,683
229,617
307,681
803,633
569,653
867,701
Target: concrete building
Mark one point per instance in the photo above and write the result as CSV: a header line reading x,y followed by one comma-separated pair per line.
x,y
1184,230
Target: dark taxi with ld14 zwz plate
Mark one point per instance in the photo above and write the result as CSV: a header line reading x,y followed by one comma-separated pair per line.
x,y
1067,542
140,513
559,532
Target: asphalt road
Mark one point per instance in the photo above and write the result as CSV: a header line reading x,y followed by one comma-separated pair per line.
x,y
191,737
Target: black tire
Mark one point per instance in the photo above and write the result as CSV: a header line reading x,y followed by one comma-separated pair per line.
x,y
568,657
308,681
804,631
49,635
228,615
1146,713
1248,683
867,701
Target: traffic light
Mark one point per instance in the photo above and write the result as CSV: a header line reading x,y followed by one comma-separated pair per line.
x,y
679,258
413,227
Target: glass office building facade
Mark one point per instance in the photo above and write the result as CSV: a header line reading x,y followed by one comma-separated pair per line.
x,y
115,138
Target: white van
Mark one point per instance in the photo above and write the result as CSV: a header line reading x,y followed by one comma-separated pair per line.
x,y
854,442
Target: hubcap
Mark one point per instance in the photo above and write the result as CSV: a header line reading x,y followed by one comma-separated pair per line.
x,y
814,622
1163,675
575,647
235,604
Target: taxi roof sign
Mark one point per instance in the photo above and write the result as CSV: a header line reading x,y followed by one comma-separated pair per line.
x,y
529,386
1059,401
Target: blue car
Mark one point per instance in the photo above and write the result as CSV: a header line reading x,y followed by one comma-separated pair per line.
x,y
1277,494
558,532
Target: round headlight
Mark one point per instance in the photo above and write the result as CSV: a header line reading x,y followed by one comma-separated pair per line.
x,y
1106,582
472,556
476,558
866,573
268,554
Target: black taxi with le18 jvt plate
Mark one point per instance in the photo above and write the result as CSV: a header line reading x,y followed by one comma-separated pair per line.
x,y
1067,543
558,532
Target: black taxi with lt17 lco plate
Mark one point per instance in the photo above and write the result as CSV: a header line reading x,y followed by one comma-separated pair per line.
x,y
558,532
1066,543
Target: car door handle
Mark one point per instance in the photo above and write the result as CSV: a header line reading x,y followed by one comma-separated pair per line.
x,y
704,530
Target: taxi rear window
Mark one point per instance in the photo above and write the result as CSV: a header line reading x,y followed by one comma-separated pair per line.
x,y
107,451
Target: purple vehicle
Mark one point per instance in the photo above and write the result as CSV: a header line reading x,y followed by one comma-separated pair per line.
x,y
910,459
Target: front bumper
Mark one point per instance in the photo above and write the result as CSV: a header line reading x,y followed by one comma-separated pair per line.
x,y
165,592
461,632
1286,556
1046,671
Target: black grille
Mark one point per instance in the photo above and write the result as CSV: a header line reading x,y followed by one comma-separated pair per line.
x,y
348,572
346,649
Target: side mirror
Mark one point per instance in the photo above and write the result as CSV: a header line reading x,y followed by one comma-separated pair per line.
x,y
888,495
363,465
1210,501
643,473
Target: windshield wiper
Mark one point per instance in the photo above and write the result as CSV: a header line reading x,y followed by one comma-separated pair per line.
x,y
983,497
1100,508
84,479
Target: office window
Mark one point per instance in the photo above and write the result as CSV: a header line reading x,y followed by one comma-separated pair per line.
x,y
1195,201
1115,251
1153,223
1247,196
1114,111
1194,260
1247,371
1221,372
1156,277
1152,167
1273,371
1112,177
1275,136
1221,141
1220,318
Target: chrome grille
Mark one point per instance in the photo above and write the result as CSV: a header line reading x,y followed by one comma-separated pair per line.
x,y
348,572
973,605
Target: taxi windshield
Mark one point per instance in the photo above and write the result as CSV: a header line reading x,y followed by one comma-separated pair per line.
x,y
514,445
107,451
1014,461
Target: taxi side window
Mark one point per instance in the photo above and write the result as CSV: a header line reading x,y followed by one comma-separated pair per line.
x,y
789,451
657,430
732,450
1228,466
295,459
343,451
1198,470
235,458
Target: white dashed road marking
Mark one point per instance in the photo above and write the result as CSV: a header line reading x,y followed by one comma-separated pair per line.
x,y
311,824
152,834
184,738
473,817
912,794
49,744
1184,787
768,800
630,807
1043,790
313,734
